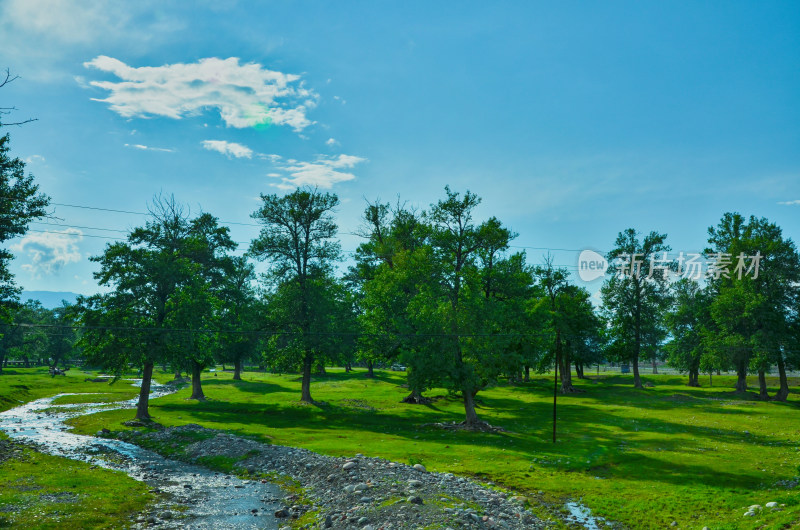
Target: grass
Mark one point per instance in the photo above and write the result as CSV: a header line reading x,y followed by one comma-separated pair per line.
x,y
43,491
644,458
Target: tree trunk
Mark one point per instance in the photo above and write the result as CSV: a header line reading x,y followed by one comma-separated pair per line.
x,y
783,391
693,378
579,370
527,378
741,381
370,373
197,387
306,385
710,381
142,413
637,381
762,386
237,369
655,365
415,398
177,374
469,408
347,368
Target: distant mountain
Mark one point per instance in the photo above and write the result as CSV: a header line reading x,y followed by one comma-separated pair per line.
x,y
49,299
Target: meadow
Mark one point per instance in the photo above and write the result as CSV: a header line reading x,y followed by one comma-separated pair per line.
x,y
642,458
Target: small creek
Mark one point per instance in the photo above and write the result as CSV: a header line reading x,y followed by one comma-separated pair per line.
x,y
211,500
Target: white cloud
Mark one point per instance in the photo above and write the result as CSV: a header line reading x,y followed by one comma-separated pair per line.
x,y
34,158
49,251
322,173
148,148
246,95
790,203
228,149
331,142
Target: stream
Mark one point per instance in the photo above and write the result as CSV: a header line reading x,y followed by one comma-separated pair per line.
x,y
204,499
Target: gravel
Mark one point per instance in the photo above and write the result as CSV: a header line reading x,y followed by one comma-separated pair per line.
x,y
359,491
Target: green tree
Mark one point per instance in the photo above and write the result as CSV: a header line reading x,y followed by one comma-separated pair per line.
x,y
297,238
687,322
636,295
753,311
159,289
240,316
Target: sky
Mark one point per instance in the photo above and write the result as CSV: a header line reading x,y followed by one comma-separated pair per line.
x,y
571,120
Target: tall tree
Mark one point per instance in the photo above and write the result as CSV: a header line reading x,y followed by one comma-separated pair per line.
x,y
636,295
156,279
297,238
240,316
687,322
756,287
20,203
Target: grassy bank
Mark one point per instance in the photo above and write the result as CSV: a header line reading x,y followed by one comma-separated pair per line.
x,y
698,456
43,491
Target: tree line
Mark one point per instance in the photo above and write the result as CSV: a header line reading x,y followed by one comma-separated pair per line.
x,y
434,290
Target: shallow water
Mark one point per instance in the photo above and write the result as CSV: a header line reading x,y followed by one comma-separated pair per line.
x,y
582,515
212,500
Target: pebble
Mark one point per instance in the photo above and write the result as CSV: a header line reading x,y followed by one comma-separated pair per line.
x,y
348,465
420,467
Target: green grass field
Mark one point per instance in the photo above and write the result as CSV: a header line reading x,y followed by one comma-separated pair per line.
x,y
645,458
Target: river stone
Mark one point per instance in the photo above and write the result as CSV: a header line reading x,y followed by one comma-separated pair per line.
x,y
772,505
166,515
414,499
281,513
348,465
419,467
360,487
415,483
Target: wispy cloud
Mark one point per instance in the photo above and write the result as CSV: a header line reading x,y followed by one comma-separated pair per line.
x,y
229,149
34,158
246,95
50,251
331,142
790,203
148,148
323,173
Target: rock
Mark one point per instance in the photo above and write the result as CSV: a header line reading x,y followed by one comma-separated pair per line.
x,y
328,521
519,498
348,465
166,515
754,508
360,487
414,499
363,520
420,467
673,523
415,483
368,527
771,505
280,513
349,488
152,520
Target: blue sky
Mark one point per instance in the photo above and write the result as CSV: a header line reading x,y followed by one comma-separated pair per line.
x,y
572,120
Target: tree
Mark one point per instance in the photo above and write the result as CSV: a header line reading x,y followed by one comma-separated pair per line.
x,y
463,311
754,309
687,322
20,203
159,284
634,301
240,316
296,237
